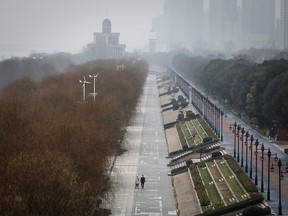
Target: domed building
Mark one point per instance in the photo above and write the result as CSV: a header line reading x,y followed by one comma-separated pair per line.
x,y
106,43
106,26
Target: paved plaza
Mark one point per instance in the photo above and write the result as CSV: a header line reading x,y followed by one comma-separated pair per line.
x,y
147,148
146,155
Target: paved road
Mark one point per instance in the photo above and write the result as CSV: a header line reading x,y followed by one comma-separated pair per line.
x,y
146,155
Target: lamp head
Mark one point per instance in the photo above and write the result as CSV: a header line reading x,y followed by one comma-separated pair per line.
x,y
269,152
279,163
256,142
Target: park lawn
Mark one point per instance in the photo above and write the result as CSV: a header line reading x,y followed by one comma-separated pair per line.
x,y
207,129
210,186
198,126
193,131
181,135
200,130
231,180
187,134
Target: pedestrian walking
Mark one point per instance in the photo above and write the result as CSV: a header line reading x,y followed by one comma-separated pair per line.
x,y
142,180
137,182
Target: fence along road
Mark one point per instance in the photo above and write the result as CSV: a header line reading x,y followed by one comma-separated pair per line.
x,y
146,155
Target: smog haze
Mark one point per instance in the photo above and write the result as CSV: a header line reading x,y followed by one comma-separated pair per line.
x,y
68,25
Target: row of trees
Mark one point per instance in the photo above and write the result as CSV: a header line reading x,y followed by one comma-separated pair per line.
x,y
55,149
259,90
36,67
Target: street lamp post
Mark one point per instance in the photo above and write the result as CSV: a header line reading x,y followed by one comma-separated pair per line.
x,y
221,136
272,169
242,140
262,159
256,154
238,137
234,132
246,143
251,154
268,188
280,178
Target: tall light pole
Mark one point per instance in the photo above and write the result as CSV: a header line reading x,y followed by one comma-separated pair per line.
x,y
221,136
83,86
268,188
238,138
280,178
251,154
95,78
233,128
256,154
270,169
262,159
246,143
242,140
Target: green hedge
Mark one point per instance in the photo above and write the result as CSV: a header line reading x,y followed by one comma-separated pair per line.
x,y
246,182
207,139
181,135
199,186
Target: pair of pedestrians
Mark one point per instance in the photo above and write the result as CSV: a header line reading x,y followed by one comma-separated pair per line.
x,y
142,180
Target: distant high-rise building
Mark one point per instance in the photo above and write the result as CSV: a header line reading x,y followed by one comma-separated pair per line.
x,y
197,23
159,27
106,43
181,25
283,25
258,23
222,24
176,20
152,43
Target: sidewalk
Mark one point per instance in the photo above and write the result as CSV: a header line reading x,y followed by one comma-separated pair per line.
x,y
146,154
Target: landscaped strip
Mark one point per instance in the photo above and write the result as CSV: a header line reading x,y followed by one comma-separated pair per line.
x,y
218,187
208,130
232,180
181,135
224,189
246,182
187,134
200,131
193,132
210,186
200,188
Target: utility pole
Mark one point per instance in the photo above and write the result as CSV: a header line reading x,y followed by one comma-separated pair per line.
x,y
83,86
95,79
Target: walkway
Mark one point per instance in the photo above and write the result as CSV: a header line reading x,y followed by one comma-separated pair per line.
x,y
228,142
146,154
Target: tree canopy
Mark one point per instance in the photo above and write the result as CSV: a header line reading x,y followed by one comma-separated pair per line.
x,y
260,90
55,149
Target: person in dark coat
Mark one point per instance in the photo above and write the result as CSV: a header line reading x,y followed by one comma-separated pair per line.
x,y
137,182
142,180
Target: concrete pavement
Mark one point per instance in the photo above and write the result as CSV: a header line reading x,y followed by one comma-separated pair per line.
x,y
146,155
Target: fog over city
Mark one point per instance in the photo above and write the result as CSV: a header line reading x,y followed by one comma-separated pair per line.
x,y
68,25
143,107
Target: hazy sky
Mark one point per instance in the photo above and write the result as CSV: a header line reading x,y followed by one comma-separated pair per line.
x,y
63,25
